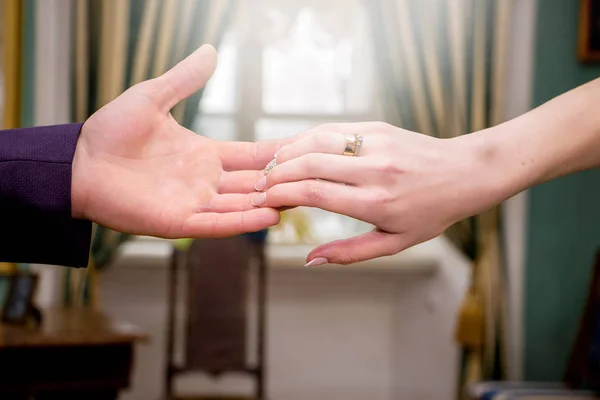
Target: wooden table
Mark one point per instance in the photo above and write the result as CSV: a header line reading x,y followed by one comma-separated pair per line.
x,y
75,354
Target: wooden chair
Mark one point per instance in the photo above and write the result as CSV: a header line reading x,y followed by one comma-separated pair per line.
x,y
219,274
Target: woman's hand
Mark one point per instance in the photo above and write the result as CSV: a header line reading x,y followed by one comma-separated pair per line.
x,y
412,187
136,170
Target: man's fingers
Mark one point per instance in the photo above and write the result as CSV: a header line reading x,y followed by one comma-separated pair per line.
x,y
223,225
239,181
360,248
252,155
350,170
224,203
185,78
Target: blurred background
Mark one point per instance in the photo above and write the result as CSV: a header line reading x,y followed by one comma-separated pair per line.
x,y
498,297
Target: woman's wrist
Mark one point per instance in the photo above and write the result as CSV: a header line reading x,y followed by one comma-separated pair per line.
x,y
503,170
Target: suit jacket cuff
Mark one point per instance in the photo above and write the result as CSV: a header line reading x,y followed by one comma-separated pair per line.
x,y
35,197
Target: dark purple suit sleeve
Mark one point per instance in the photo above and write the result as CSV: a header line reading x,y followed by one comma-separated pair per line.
x,y
35,198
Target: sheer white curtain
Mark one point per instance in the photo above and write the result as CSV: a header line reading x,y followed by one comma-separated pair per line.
x,y
286,66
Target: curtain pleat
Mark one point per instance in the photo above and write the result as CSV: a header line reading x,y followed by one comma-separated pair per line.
x,y
457,11
81,60
166,34
12,23
114,33
414,70
433,67
388,61
214,16
141,56
444,62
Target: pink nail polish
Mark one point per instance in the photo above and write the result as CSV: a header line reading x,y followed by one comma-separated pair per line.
x,y
261,184
316,262
258,199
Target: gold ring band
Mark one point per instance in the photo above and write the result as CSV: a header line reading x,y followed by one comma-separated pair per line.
x,y
353,144
350,145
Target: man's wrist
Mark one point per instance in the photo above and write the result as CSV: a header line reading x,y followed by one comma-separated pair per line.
x,y
78,191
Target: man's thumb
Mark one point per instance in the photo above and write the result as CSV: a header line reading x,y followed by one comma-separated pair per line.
x,y
187,77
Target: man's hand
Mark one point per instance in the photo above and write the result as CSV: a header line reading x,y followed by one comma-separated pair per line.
x,y
136,170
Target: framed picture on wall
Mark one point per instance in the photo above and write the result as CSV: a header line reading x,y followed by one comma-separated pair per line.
x,y
589,31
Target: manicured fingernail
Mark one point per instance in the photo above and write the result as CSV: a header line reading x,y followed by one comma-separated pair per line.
x,y
258,199
275,155
261,184
317,261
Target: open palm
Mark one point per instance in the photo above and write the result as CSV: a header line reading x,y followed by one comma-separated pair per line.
x,y
136,170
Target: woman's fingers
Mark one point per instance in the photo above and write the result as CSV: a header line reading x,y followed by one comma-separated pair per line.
x,y
331,139
330,196
360,248
326,142
229,224
348,170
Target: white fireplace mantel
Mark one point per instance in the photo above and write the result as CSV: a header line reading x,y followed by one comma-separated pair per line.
x,y
424,258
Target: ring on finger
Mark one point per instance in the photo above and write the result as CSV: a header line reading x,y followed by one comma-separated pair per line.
x,y
353,144
270,166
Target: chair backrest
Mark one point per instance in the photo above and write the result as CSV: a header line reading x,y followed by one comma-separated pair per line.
x,y
216,305
220,275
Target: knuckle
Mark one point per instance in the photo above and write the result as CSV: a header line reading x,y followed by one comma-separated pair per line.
x,y
388,166
313,192
347,259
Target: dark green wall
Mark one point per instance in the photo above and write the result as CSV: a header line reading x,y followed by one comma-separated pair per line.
x,y
564,215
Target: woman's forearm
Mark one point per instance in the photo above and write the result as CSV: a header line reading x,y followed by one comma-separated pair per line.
x,y
558,138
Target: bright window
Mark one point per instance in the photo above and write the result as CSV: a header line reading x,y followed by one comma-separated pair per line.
x,y
285,67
